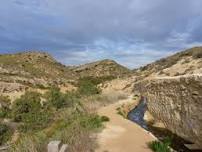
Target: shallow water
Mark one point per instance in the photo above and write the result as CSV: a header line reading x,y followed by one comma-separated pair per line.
x,y
137,114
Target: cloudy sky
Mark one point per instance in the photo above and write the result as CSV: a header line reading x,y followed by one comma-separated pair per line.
x,y
132,32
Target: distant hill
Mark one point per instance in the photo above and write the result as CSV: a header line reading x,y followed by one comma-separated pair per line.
x,y
101,68
33,67
39,69
185,62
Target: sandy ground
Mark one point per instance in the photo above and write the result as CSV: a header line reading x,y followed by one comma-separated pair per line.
x,y
122,135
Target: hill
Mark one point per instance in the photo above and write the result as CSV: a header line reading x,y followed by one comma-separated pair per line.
x,y
33,68
36,69
182,63
101,68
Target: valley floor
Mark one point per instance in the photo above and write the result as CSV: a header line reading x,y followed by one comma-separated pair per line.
x,y
121,135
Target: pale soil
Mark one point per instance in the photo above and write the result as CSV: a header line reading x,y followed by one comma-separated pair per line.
x,y
122,135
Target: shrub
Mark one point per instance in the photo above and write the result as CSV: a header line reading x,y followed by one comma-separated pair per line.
x,y
29,111
86,87
121,112
56,98
30,143
5,103
29,103
91,122
35,121
5,133
60,100
105,118
158,146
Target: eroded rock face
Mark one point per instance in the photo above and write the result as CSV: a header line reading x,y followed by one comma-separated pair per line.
x,y
177,102
10,87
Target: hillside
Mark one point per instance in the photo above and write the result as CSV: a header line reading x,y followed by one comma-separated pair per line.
x,y
172,87
185,62
33,67
101,68
21,71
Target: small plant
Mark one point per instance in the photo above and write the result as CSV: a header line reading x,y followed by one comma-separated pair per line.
x,y
91,122
105,118
87,87
158,146
55,98
121,112
28,110
4,109
5,133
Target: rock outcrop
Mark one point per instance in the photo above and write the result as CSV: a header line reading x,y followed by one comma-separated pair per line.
x,y
177,102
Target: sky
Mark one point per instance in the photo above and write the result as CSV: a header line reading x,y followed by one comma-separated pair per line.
x,y
132,32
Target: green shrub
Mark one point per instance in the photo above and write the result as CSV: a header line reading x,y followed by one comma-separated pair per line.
x,y
35,121
5,103
29,111
59,100
121,112
30,143
91,122
56,98
158,146
105,118
86,87
5,133
29,103
4,112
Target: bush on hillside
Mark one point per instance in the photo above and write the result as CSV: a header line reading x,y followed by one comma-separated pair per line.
x,y
105,118
88,86
5,106
56,98
29,103
28,110
59,100
5,133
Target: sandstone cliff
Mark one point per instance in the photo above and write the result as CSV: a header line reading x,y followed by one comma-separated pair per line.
x,y
177,102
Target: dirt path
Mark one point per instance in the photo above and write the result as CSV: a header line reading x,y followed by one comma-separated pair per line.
x,y
121,135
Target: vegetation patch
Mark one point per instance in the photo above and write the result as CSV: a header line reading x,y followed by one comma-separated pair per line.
x,y
160,146
5,107
121,112
88,86
5,133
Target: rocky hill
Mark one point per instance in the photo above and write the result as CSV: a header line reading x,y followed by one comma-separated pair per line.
x,y
101,68
34,69
40,70
173,88
185,62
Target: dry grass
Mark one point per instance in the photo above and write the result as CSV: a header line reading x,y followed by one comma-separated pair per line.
x,y
92,103
29,143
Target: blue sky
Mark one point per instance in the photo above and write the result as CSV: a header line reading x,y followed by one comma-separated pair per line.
x,y
132,32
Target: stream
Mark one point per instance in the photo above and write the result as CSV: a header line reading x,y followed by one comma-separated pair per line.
x,y
137,114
